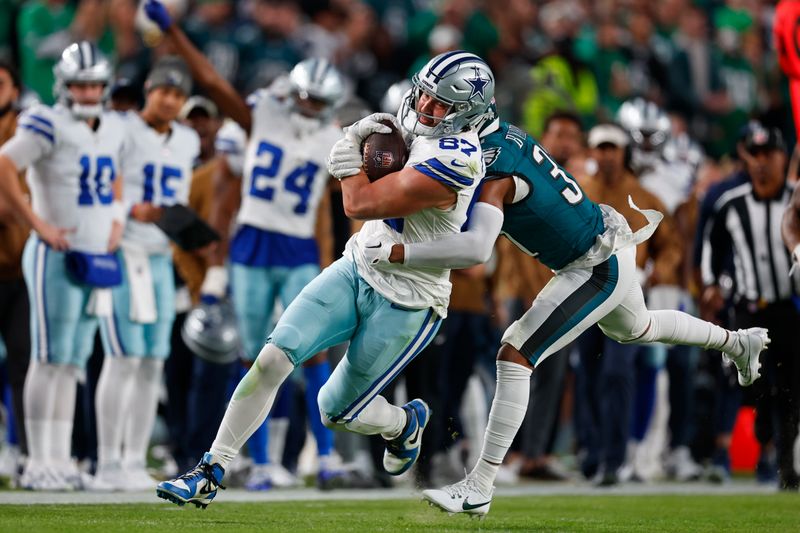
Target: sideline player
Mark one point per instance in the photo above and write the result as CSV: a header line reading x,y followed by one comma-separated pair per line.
x,y
72,153
389,313
158,158
274,253
540,208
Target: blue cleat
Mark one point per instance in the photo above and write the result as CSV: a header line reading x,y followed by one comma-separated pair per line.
x,y
198,486
401,453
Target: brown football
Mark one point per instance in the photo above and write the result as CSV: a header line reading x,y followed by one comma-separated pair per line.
x,y
384,153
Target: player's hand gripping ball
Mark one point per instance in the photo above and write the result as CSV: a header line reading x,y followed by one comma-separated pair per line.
x,y
384,153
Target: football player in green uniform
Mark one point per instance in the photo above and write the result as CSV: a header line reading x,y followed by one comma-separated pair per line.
x,y
542,209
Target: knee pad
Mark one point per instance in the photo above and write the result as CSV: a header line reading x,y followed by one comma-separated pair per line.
x,y
273,360
631,337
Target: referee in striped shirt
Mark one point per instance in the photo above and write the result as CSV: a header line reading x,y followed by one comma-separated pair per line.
x,y
747,223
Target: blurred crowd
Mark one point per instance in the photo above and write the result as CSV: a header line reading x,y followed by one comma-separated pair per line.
x,y
696,89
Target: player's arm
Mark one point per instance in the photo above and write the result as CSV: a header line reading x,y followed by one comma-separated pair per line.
x,y
471,247
398,194
11,190
790,226
203,72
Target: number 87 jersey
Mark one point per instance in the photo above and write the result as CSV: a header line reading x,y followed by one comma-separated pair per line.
x,y
284,174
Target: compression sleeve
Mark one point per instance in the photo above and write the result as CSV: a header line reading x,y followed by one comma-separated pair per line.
x,y
460,250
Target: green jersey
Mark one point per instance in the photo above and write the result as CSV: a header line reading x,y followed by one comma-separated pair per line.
x,y
555,222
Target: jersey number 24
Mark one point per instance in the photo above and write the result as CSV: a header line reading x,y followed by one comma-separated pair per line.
x,y
298,181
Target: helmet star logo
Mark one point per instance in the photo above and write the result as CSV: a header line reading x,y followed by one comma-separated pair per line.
x,y
478,85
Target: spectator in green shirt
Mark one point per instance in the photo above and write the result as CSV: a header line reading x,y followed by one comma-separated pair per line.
x,y
46,27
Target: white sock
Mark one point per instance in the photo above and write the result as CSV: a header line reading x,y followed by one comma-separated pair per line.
x,y
506,416
64,413
676,327
39,400
252,400
278,428
141,412
114,394
379,416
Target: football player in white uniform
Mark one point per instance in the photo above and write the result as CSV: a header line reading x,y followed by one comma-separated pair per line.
x,y
158,157
72,153
387,313
274,253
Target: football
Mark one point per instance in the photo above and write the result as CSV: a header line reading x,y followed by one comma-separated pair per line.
x,y
384,153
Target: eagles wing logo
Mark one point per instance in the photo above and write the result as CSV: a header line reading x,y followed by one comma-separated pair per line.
x,y
383,159
490,155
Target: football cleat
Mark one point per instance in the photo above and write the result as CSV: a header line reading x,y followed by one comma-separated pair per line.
x,y
753,342
137,478
198,486
462,497
259,479
402,452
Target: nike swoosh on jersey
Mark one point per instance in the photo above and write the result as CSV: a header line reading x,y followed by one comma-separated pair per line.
x,y
456,163
470,506
374,246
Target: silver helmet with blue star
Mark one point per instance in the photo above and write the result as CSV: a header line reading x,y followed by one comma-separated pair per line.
x,y
459,79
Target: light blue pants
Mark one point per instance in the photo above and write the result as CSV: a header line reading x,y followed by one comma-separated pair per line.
x,y
254,292
62,333
338,306
123,337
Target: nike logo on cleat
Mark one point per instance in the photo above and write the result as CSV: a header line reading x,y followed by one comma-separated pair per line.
x,y
470,506
413,440
205,489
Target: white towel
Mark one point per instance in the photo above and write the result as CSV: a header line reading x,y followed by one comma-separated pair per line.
x,y
140,282
100,303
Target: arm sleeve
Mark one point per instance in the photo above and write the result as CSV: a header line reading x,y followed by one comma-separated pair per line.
x,y
231,142
460,250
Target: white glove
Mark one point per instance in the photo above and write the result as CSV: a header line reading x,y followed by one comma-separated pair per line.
x,y
345,159
377,250
369,125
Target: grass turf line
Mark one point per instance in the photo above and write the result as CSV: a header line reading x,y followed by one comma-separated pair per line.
x,y
701,513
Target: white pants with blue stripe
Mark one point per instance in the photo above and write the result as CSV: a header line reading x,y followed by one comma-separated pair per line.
x,y
338,306
62,333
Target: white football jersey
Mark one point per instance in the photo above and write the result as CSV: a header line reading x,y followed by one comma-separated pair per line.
x,y
285,171
231,142
157,169
671,182
457,162
71,169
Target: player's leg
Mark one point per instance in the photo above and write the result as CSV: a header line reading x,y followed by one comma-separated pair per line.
x,y
123,344
569,304
322,315
56,309
387,339
141,408
316,371
632,322
253,299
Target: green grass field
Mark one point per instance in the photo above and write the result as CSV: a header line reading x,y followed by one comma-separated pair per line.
x,y
723,513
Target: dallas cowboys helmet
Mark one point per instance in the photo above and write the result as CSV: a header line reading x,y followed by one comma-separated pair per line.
x,y
649,128
316,79
460,79
81,62
210,332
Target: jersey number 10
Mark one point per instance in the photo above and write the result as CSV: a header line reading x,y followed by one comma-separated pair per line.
x,y
298,181
98,188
